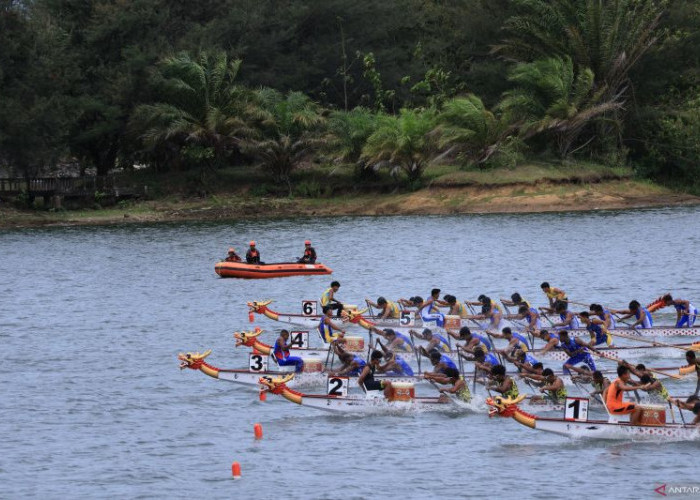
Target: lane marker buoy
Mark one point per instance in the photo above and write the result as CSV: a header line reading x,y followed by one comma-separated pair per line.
x,y
257,428
236,470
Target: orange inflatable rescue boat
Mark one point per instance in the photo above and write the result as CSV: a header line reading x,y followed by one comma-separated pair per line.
x,y
259,271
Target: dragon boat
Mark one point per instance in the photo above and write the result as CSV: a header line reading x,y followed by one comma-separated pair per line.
x,y
260,271
652,428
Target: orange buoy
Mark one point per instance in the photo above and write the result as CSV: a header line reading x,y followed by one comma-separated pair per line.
x,y
263,395
258,431
236,470
251,316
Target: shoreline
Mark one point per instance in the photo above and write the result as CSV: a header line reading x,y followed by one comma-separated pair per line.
x,y
542,197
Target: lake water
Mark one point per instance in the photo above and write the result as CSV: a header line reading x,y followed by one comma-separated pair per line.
x,y
94,405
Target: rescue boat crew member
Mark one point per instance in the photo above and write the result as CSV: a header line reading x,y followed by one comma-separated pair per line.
x,y
309,256
232,256
554,295
429,309
502,383
252,256
281,352
613,396
328,330
578,352
328,298
388,309
641,314
685,311
366,379
596,327
569,320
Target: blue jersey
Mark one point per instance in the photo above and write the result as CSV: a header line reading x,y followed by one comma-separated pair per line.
x,y
601,335
571,346
443,345
407,345
447,362
490,358
573,324
326,331
483,340
361,364
529,358
647,322
523,343
405,367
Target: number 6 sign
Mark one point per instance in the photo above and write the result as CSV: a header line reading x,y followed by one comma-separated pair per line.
x,y
308,307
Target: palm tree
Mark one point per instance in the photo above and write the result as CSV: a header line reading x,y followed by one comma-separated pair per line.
x,y
551,97
403,142
348,132
467,128
203,109
607,36
287,131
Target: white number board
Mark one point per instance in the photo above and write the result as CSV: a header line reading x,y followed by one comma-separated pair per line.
x,y
576,409
299,340
308,307
407,318
257,362
338,386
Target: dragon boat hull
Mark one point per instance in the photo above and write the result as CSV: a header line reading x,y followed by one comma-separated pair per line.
x,y
600,429
262,271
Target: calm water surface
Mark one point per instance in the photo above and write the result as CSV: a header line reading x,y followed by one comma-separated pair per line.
x,y
94,406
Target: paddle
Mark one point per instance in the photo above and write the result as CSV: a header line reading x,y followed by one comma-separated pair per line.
x,y
673,416
695,346
613,358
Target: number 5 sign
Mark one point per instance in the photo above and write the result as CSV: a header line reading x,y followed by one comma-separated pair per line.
x,y
407,318
576,409
308,307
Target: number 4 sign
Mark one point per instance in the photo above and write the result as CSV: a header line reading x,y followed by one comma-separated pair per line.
x,y
308,307
299,340
576,409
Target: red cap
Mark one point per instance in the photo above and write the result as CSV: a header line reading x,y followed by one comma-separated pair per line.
x,y
252,243
307,242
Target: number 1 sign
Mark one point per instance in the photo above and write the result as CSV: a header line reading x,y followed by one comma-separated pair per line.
x,y
576,409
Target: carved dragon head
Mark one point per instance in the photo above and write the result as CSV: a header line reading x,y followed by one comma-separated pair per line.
x,y
259,306
248,338
191,360
502,406
353,315
275,385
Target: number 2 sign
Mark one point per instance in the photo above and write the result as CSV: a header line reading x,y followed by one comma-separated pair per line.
x,y
338,386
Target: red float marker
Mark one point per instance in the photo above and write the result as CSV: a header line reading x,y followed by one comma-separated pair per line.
x,y
258,431
251,316
236,470
263,395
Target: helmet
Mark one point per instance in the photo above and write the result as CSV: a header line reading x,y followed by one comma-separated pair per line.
x,y
252,243
231,250
307,242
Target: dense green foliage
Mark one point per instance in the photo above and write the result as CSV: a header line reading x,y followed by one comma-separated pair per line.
x,y
398,85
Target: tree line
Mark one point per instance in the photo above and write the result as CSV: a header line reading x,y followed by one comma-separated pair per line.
x,y
393,85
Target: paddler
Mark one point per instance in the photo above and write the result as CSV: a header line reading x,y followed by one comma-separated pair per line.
x,y
578,352
641,314
553,386
429,311
351,365
459,386
554,295
410,302
605,315
387,308
685,311
515,340
482,360
471,340
569,320
599,383
522,360
397,341
329,330
395,364
503,383
530,315
232,256
328,298
281,352
252,256
596,327
515,300
456,307
435,341
613,396
366,379
489,311
692,360
551,339
309,256
440,362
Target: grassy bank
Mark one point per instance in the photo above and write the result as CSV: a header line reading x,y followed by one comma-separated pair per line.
x,y
246,192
